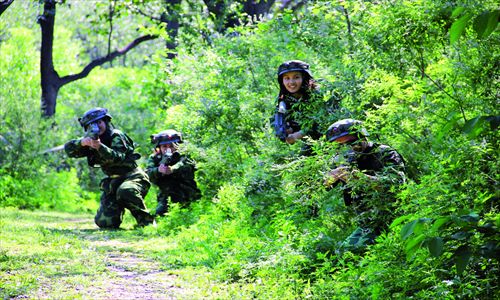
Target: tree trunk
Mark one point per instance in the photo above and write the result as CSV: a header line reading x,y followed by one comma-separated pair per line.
x,y
51,81
171,18
4,4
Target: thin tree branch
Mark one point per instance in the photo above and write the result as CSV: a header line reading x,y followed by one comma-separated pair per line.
x,y
347,19
140,12
102,60
110,22
444,91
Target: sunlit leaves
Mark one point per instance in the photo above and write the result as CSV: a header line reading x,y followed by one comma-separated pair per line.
x,y
483,24
454,233
458,27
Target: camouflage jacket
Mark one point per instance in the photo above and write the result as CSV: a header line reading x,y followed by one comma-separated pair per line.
x,y
182,177
372,197
115,156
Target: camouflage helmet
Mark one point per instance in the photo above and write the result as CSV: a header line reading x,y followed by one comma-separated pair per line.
x,y
293,65
345,127
168,136
93,115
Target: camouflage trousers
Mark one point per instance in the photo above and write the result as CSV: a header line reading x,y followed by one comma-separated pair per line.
x,y
182,196
118,194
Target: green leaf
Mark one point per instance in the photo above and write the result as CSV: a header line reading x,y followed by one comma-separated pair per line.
x,y
440,222
462,257
407,230
461,235
435,246
471,218
453,118
458,27
419,227
473,127
486,23
414,244
490,250
457,11
399,220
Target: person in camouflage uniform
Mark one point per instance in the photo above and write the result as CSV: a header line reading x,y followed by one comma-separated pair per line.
x,y
304,103
126,185
171,171
368,173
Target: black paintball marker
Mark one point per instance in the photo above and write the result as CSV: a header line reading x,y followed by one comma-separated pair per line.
x,y
280,122
170,159
345,159
92,131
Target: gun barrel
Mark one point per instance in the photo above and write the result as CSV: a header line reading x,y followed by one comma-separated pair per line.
x,y
53,149
93,131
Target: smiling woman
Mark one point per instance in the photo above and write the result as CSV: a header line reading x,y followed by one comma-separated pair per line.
x,y
300,100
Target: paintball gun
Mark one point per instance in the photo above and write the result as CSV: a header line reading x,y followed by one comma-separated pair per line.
x,y
345,159
169,158
280,122
342,162
92,131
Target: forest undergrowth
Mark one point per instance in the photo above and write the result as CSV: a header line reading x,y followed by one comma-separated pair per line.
x,y
421,75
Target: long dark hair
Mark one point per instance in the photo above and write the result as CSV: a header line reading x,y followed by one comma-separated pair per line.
x,y
106,137
308,85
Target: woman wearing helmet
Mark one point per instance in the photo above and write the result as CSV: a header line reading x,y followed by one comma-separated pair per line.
x,y
300,97
126,185
171,171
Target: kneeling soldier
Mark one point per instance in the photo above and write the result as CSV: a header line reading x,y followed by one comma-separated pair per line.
x,y
126,185
171,171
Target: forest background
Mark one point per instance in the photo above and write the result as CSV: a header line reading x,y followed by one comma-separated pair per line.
x,y
422,75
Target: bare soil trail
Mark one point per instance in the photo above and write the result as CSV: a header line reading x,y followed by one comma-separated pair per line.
x,y
130,274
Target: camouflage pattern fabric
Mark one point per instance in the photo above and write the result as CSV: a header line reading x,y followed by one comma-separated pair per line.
x,y
127,192
116,155
180,186
373,206
126,185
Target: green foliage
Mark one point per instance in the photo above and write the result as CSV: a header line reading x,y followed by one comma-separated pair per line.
x,y
462,231
57,190
266,225
483,24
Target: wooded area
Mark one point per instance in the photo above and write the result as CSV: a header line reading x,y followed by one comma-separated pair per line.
x,y
423,76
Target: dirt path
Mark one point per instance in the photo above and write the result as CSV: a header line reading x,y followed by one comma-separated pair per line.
x,y
134,277
130,275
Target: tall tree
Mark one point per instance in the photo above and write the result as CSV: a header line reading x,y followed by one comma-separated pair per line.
x,y
51,82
